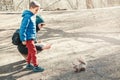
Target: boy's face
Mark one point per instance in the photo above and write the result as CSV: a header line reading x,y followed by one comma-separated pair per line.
x,y
34,10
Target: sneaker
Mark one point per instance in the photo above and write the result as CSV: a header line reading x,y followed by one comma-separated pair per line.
x,y
38,69
29,66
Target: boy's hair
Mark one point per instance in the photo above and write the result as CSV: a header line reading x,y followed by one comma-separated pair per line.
x,y
34,4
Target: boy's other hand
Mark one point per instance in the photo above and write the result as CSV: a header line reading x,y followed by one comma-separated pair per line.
x,y
47,46
24,42
39,41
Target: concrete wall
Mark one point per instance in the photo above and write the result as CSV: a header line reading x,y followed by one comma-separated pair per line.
x,y
19,5
13,5
78,4
6,5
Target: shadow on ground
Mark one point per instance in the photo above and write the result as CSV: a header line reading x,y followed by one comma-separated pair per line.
x,y
12,69
105,68
50,34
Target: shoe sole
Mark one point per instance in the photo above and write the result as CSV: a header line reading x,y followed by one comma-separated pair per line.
x,y
38,71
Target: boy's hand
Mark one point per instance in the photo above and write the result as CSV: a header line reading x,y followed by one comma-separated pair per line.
x,y
41,25
24,42
47,46
39,41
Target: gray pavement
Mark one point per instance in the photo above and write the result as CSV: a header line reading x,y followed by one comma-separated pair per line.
x,y
91,34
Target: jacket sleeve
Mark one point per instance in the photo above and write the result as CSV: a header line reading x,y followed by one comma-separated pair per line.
x,y
23,28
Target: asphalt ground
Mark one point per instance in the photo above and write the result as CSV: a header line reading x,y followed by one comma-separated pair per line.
x,y
91,34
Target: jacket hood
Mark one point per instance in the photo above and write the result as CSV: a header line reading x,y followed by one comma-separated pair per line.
x,y
27,13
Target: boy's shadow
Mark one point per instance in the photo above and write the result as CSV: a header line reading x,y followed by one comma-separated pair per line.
x,y
10,71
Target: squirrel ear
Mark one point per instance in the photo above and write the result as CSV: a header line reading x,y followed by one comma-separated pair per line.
x,y
83,62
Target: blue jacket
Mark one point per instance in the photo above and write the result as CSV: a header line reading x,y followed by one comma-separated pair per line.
x,y
28,26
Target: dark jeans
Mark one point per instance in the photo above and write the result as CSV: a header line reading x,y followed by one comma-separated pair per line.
x,y
23,49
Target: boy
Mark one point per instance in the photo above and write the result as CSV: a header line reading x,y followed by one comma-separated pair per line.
x,y
40,47
28,35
